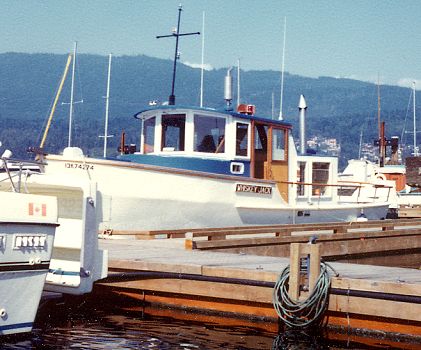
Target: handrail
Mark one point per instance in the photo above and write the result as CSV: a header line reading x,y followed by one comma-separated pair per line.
x,y
345,183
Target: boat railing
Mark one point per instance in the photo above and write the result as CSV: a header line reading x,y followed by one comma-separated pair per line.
x,y
18,168
355,185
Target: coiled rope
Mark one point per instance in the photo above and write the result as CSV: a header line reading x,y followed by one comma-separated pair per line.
x,y
305,313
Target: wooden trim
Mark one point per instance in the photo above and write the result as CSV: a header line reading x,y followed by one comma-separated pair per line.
x,y
335,227
269,152
252,151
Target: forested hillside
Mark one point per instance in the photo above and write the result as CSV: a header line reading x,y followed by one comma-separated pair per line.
x,y
339,108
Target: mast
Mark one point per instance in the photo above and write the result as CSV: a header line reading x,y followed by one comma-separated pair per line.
x,y
415,124
378,104
71,95
238,83
282,71
273,104
50,118
107,103
203,59
176,34
382,145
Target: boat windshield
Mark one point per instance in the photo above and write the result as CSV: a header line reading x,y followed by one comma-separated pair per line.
x,y
173,132
209,134
149,135
241,148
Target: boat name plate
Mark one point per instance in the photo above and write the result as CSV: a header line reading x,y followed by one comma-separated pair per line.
x,y
253,189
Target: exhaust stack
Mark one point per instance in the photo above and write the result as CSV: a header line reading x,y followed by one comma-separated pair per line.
x,y
228,90
302,106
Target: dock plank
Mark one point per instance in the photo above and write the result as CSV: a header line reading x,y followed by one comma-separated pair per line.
x,y
164,255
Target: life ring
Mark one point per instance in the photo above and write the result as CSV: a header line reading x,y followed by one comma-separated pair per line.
x,y
381,177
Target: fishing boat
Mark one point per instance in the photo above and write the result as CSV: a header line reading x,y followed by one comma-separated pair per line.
x,y
202,167
28,224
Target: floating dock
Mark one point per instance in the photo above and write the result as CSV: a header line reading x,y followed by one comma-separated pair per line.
x,y
230,271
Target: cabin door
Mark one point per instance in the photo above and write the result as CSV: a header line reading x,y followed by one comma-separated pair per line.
x,y
269,156
260,151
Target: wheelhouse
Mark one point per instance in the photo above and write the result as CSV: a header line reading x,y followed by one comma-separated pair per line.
x,y
220,142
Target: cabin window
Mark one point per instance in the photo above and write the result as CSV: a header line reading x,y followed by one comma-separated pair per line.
x,y
209,134
301,173
241,148
149,135
261,139
278,144
173,132
320,178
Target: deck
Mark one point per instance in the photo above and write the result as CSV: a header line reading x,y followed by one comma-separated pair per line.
x,y
172,272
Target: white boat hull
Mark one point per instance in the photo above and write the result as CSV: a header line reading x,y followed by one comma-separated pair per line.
x,y
27,229
134,197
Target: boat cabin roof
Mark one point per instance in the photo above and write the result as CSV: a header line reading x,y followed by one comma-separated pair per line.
x,y
150,111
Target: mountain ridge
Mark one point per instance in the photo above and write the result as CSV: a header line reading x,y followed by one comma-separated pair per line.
x,y
337,107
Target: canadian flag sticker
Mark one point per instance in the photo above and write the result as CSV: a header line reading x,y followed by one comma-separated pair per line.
x,y
37,209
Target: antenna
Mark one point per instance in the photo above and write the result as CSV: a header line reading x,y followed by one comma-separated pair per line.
x,y
282,70
238,83
203,59
107,103
71,96
176,34
415,124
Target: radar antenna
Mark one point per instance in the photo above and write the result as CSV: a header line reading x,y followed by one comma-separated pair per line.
x,y
176,33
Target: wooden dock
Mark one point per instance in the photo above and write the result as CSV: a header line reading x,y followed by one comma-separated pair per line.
x,y
229,271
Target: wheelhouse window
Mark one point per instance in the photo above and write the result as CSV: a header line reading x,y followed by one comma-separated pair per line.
x,y
261,139
209,134
320,176
278,144
149,135
241,148
173,132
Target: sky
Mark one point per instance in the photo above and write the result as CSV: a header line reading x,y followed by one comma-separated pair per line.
x,y
367,40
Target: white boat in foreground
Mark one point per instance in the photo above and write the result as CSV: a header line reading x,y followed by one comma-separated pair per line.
x,y
27,227
76,262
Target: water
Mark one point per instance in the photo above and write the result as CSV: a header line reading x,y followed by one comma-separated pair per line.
x,y
85,324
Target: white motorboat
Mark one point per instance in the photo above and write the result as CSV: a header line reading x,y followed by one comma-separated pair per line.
x,y
27,227
201,167
76,261
198,167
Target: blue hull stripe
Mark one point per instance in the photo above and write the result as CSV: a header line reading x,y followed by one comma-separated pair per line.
x,y
214,166
16,326
15,267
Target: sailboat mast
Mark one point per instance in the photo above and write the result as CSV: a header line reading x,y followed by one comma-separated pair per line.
x,y
71,95
203,59
238,83
282,71
415,123
107,103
